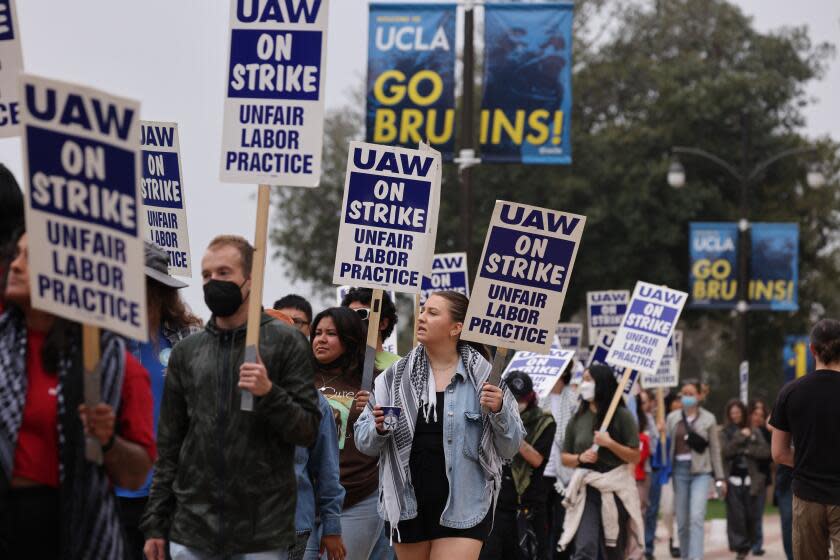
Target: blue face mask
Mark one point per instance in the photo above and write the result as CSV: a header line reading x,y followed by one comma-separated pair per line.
x,y
689,402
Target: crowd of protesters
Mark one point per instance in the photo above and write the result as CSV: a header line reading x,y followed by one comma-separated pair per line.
x,y
433,462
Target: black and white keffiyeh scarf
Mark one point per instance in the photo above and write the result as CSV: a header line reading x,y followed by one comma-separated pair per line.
x,y
90,527
405,384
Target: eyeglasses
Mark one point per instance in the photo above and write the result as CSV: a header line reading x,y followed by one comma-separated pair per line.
x,y
299,322
364,313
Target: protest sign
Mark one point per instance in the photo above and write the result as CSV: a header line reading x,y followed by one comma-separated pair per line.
x,y
713,256
543,369
164,204
274,104
449,272
774,267
81,156
11,64
599,354
526,105
389,344
605,310
647,327
411,75
569,335
668,373
388,217
523,276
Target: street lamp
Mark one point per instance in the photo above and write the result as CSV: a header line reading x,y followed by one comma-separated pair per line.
x,y
676,174
745,179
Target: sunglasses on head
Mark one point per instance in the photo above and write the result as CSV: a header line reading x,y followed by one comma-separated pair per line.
x,y
364,313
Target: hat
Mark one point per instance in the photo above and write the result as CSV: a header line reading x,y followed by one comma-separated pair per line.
x,y
520,384
157,265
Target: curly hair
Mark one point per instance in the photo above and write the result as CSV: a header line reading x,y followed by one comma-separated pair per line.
x,y
825,341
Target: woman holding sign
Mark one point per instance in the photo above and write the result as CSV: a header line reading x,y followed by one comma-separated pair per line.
x,y
696,458
338,344
434,421
54,503
601,472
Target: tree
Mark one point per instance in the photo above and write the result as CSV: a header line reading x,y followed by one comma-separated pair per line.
x,y
682,74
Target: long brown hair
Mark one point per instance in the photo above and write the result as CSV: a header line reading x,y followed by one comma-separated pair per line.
x,y
458,304
167,308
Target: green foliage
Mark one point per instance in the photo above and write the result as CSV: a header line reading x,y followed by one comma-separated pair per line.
x,y
684,74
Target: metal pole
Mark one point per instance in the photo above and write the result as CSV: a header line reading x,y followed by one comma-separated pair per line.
x,y
743,246
467,131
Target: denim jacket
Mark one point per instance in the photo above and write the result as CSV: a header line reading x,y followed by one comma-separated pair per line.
x,y
316,469
469,499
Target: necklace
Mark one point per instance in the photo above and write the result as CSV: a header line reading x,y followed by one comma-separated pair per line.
x,y
325,382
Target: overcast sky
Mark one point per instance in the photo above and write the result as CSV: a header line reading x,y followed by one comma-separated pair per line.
x,y
170,55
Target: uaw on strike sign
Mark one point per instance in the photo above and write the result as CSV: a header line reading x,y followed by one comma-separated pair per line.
x,y
523,277
389,217
81,154
647,327
274,103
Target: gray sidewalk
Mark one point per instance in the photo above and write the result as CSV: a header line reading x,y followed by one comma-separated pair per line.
x,y
716,546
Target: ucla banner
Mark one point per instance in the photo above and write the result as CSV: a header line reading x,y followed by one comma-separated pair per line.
x,y
797,359
774,267
411,76
527,103
713,256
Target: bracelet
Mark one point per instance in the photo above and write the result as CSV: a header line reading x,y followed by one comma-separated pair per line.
x,y
579,461
109,444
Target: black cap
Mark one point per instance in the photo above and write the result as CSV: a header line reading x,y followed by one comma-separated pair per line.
x,y
520,384
157,266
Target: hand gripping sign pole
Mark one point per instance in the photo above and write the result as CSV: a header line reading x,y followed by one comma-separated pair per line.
x,y
252,334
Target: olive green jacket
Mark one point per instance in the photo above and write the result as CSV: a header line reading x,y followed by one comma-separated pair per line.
x,y
224,480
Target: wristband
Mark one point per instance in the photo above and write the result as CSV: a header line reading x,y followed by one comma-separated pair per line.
x,y
579,461
109,444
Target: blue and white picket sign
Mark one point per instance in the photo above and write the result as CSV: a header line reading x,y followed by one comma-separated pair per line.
x,y
647,327
523,276
274,92
604,311
668,374
543,369
164,204
81,156
388,217
11,65
390,343
449,273
569,335
599,353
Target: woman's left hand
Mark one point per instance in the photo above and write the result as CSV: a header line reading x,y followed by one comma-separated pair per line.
x,y
491,397
603,439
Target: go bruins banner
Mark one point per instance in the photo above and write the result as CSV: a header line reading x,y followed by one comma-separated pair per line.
x,y
411,76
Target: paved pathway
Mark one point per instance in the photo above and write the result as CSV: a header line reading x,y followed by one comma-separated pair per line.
x,y
716,546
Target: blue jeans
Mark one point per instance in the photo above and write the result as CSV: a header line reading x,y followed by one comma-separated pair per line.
x,y
691,493
652,511
181,552
784,499
759,519
361,528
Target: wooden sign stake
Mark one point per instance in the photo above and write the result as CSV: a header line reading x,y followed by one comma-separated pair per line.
x,y
416,318
495,377
252,335
372,339
614,404
660,419
91,354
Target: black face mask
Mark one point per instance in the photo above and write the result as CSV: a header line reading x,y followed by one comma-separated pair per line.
x,y
223,297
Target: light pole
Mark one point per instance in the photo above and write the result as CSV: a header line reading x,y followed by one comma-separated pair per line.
x,y
746,178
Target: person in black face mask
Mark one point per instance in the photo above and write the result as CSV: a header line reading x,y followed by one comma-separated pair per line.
x,y
233,470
